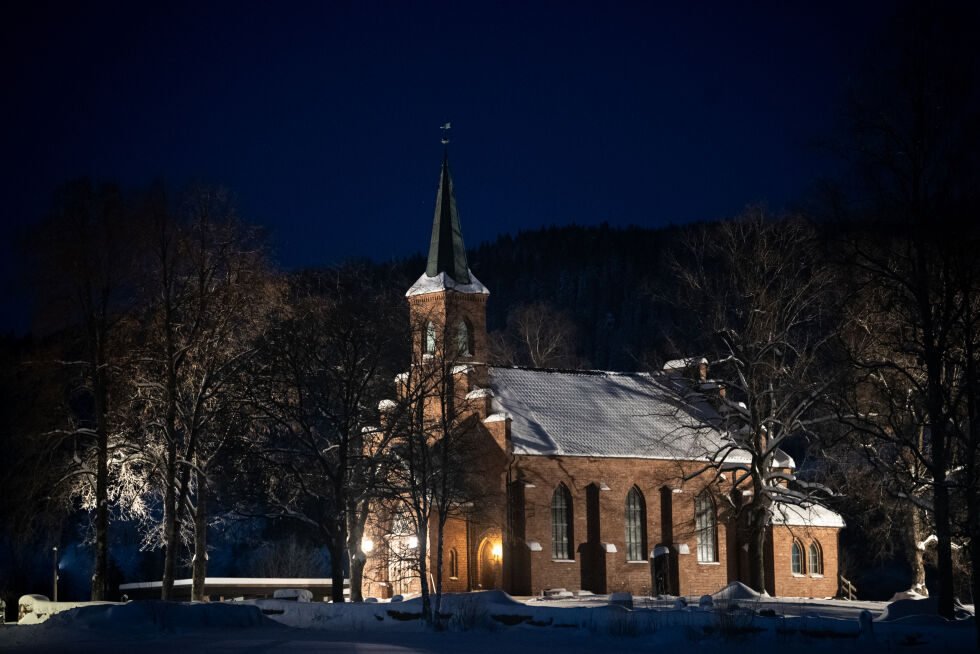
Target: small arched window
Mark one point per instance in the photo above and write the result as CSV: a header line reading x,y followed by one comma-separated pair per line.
x,y
453,564
797,558
463,338
635,522
706,525
816,559
561,524
430,338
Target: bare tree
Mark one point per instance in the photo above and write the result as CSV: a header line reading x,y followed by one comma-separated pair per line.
x,y
435,447
537,335
912,140
758,290
325,371
85,271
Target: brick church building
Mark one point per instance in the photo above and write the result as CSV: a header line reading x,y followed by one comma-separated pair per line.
x,y
590,477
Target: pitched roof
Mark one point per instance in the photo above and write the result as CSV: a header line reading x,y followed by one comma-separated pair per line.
x,y
607,414
447,253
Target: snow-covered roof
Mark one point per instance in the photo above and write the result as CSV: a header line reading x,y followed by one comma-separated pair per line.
x,y
442,282
812,515
683,364
594,413
782,460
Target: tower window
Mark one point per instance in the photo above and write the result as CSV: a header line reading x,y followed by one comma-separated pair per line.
x,y
635,522
706,525
430,338
463,338
561,524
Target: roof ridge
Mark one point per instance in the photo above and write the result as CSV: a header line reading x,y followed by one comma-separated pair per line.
x,y
576,371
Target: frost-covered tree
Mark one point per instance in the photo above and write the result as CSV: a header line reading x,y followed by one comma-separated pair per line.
x,y
208,295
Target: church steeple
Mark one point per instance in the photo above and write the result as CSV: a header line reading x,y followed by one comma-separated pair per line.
x,y
447,253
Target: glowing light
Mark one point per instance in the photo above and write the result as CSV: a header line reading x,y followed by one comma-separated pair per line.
x,y
367,545
413,541
497,550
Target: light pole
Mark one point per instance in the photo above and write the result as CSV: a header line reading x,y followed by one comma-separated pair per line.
x,y
54,580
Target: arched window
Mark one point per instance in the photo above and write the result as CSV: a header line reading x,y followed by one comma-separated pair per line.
x,y
453,564
561,523
635,522
797,558
816,559
463,338
430,338
706,525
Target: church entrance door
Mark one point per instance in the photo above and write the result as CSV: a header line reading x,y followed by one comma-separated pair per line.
x,y
488,564
661,571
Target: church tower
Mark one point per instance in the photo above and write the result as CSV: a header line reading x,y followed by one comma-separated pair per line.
x,y
448,303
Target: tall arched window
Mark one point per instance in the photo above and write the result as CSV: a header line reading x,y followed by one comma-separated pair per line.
x,y
706,525
797,558
816,559
463,338
635,522
561,523
453,564
430,338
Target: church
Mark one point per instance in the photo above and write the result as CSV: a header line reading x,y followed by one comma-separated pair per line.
x,y
592,477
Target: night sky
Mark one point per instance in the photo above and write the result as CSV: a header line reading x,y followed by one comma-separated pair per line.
x,y
323,117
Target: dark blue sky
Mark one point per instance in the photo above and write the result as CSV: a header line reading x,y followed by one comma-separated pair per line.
x,y
323,117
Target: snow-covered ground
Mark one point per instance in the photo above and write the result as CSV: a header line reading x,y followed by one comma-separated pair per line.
x,y
492,621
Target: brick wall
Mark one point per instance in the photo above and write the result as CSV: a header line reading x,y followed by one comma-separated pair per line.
x,y
541,476
785,583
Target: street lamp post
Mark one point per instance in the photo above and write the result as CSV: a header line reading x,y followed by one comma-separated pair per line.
x,y
54,580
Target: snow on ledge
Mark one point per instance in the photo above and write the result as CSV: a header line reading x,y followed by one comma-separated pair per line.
x,y
813,515
386,405
443,282
478,393
498,417
608,547
533,545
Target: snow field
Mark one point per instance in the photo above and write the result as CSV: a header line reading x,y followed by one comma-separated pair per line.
x,y
735,618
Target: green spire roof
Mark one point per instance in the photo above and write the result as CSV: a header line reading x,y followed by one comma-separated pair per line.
x,y
447,253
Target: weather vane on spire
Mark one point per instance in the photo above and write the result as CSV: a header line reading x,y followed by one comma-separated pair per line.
x,y
445,133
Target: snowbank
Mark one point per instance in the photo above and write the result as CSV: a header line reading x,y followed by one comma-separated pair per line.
x,y
34,609
736,591
923,610
158,615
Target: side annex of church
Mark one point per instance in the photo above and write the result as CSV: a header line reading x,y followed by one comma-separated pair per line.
x,y
590,477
